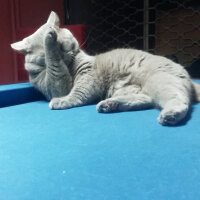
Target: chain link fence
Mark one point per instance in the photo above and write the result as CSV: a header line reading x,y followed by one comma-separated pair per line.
x,y
169,27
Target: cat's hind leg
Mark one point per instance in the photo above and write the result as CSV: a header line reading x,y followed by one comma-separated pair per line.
x,y
173,112
170,93
125,103
173,100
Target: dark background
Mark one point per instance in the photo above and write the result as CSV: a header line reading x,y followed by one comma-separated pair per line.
x,y
170,28
115,23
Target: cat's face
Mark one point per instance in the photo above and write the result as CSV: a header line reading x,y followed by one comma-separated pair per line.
x,y
35,42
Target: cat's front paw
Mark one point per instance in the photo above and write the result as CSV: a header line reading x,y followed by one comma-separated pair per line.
x,y
58,103
107,106
50,36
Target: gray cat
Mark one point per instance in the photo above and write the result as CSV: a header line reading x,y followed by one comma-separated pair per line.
x,y
120,80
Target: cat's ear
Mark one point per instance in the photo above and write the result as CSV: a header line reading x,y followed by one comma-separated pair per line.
x,y
53,19
19,46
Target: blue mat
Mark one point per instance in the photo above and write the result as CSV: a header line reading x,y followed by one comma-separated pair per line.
x,y
80,154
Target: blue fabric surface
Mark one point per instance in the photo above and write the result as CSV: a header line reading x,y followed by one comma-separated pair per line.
x,y
14,86
14,94
79,154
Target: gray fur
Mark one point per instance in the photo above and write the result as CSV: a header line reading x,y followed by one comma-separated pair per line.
x,y
120,80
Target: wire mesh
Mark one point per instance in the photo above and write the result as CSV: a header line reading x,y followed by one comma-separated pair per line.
x,y
169,27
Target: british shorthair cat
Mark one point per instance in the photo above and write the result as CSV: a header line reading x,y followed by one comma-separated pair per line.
x,y
119,80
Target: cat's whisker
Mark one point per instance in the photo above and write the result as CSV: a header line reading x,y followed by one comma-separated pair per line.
x,y
86,39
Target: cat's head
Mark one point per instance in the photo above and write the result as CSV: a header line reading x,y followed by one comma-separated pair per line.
x,y
35,42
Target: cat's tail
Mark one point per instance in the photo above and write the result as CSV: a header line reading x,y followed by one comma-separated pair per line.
x,y
196,87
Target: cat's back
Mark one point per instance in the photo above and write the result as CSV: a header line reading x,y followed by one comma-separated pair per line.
x,y
137,61
117,60
116,56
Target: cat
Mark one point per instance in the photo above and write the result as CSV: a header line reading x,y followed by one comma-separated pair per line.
x,y
118,80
